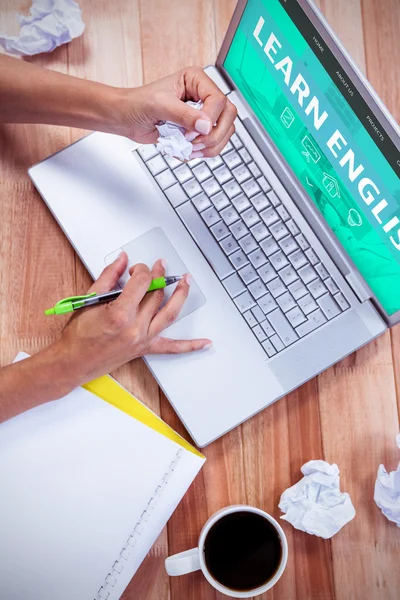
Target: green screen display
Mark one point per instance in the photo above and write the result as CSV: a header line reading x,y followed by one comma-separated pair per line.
x,y
323,140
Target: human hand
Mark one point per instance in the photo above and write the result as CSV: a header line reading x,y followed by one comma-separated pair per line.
x,y
100,339
164,100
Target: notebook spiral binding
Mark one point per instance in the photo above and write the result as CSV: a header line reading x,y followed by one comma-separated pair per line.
x,y
112,577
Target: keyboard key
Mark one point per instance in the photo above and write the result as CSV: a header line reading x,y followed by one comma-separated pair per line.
x,y
269,246
214,162
192,187
210,216
291,225
312,257
227,148
248,274
236,141
232,159
248,243
283,213
267,303
266,325
328,306
250,318
307,304
239,229
246,158
201,172
317,288
257,258
331,285
250,217
147,151
176,195
195,161
302,242
307,274
282,327
165,179
232,188
269,216
156,164
260,202
264,184
238,259
258,314
259,333
211,186
220,230
229,215
278,230
288,275
234,285
257,289
288,245
241,173
279,260
286,302
241,203
341,300
183,173
220,201
295,316
205,240
223,174
251,187
297,289
277,342
322,272
255,171
276,287
172,162
298,259
244,301
269,349
201,202
273,198
267,272
259,231
229,245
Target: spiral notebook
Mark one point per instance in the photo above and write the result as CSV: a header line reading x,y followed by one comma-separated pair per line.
x,y
86,485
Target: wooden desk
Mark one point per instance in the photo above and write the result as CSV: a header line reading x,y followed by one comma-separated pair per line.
x,y
347,415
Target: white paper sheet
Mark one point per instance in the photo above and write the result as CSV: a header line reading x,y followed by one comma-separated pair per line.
x,y
50,24
315,504
387,491
172,141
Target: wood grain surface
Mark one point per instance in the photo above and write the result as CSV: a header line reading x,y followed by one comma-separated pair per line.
x,y
347,415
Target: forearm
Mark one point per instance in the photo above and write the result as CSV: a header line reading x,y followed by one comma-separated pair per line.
x,y
31,94
45,376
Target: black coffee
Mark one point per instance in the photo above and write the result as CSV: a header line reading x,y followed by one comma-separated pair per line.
x,y
243,551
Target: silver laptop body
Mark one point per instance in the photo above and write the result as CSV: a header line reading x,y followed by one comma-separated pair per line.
x,y
274,287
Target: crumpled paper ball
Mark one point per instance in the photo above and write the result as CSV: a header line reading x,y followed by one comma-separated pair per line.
x,y
172,141
387,491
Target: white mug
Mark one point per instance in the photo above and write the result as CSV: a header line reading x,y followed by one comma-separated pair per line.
x,y
194,560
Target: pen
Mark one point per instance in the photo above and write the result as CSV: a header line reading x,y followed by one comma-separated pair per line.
x,y
68,305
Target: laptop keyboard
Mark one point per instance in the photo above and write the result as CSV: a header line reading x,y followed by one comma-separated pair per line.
x,y
254,246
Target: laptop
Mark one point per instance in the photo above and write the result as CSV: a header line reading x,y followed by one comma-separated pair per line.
x,y
292,233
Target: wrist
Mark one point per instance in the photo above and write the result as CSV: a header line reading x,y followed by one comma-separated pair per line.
x,y
58,371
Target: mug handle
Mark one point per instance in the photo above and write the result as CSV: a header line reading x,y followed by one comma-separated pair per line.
x,y
183,563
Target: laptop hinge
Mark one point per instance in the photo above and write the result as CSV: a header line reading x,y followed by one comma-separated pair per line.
x,y
358,286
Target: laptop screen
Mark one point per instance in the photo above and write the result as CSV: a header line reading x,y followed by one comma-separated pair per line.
x,y
327,133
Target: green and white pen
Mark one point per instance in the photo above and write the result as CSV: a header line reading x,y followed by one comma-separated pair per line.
x,y
68,305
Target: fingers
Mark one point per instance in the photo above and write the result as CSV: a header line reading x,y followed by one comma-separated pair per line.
x,y
177,111
209,144
169,313
163,345
152,301
214,150
135,289
109,277
199,86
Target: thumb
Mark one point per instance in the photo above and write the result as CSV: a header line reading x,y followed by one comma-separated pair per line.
x,y
109,277
186,116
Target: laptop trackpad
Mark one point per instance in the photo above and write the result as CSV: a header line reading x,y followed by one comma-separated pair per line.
x,y
148,248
